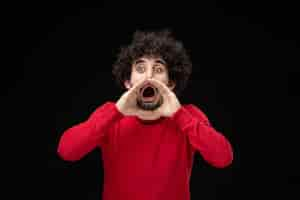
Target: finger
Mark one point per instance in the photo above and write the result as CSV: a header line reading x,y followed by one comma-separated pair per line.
x,y
136,88
163,89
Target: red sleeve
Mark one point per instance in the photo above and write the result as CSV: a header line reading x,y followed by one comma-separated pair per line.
x,y
211,144
80,139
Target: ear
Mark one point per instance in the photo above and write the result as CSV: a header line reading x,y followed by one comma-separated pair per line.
x,y
127,84
171,84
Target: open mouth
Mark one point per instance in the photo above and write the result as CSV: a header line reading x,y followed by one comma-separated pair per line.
x,y
149,98
149,93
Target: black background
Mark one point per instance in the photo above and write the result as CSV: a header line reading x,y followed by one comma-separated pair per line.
x,y
56,69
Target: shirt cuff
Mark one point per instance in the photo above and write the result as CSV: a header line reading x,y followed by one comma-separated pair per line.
x,y
116,113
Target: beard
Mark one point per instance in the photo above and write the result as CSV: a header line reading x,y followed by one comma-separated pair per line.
x,y
149,105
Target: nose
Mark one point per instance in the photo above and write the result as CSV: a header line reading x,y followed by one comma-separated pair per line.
x,y
149,74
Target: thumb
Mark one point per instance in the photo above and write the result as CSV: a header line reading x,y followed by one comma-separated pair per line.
x,y
134,89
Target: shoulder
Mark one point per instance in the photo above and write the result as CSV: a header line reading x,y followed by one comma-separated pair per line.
x,y
107,106
192,108
195,111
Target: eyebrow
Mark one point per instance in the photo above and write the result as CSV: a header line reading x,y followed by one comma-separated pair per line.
x,y
156,60
139,61
161,61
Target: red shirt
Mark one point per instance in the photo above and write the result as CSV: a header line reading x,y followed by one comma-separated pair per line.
x,y
146,160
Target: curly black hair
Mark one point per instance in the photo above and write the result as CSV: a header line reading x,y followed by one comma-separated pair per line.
x,y
159,43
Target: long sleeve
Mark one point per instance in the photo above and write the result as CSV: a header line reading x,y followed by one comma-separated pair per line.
x,y
80,139
211,144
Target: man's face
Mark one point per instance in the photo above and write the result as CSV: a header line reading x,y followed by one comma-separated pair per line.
x,y
146,68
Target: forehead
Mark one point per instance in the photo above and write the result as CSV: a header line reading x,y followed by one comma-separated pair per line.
x,y
144,59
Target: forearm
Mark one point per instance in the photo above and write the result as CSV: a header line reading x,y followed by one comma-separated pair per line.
x,y
80,139
211,144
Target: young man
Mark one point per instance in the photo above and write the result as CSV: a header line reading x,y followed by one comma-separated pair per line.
x,y
148,139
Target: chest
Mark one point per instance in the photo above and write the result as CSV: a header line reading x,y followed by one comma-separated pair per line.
x,y
131,142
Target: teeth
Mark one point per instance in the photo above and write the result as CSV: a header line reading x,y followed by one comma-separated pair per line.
x,y
149,98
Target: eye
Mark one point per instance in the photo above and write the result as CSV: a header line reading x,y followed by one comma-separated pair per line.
x,y
159,70
140,68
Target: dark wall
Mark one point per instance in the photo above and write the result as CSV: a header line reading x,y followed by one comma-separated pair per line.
x,y
57,70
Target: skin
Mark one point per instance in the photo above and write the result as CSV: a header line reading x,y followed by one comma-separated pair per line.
x,y
149,68
153,71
